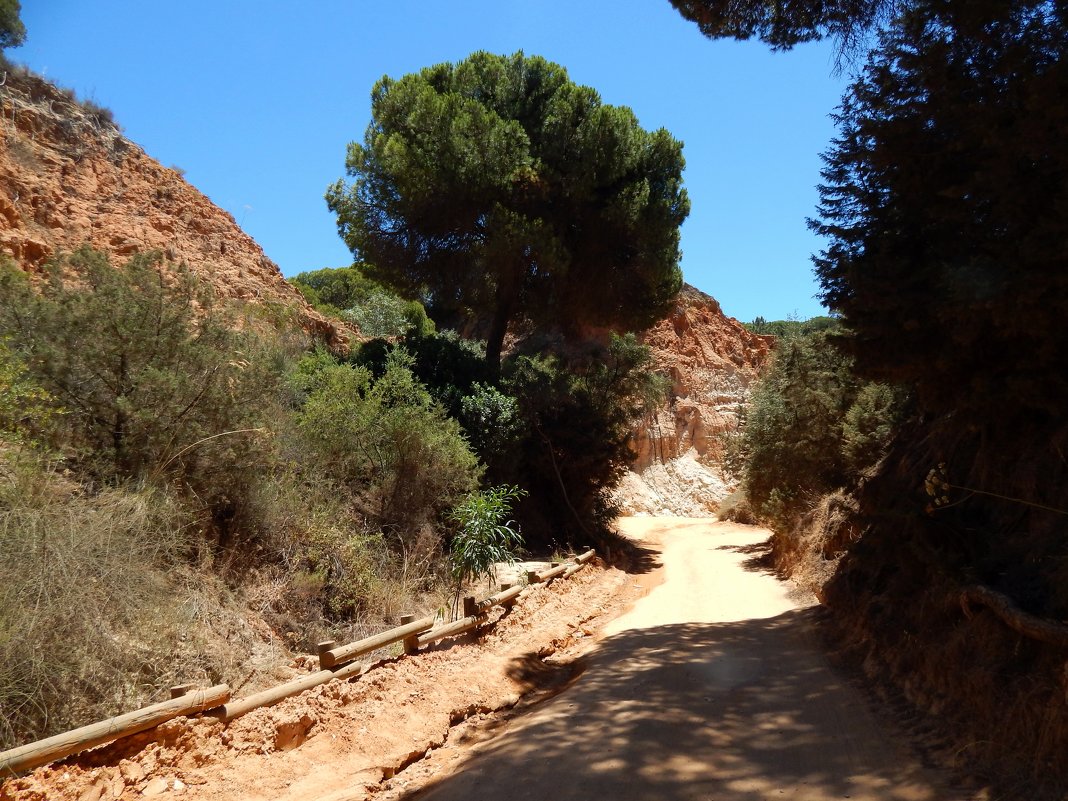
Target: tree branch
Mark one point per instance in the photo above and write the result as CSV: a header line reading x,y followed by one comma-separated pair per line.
x,y
1031,626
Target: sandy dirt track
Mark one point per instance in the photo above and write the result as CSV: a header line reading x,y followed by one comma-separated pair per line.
x,y
711,687
696,675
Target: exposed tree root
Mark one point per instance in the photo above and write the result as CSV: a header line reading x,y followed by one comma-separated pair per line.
x,y
1037,628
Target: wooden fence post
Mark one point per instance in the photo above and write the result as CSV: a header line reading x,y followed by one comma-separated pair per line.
x,y
411,643
323,647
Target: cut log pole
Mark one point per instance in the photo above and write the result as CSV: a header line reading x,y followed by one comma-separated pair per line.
x,y
573,569
34,755
450,630
502,597
509,603
271,696
552,572
582,558
322,648
347,653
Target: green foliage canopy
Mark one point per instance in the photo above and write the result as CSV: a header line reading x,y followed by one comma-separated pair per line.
x,y
945,199
496,187
785,24
12,31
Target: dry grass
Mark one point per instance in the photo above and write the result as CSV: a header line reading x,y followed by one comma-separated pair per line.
x,y
99,608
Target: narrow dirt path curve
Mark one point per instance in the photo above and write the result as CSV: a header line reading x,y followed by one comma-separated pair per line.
x,y
713,686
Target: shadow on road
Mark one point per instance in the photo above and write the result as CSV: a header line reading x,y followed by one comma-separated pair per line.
x,y
761,559
724,711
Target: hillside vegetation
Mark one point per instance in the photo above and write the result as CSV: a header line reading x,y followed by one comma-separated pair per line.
x,y
931,505
196,482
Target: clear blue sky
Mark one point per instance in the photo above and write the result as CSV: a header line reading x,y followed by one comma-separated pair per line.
x,y
257,99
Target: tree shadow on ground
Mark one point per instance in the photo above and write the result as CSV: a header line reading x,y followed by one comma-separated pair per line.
x,y
726,711
761,559
629,556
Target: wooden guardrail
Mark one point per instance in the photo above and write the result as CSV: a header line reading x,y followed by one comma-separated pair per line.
x,y
42,752
330,657
335,662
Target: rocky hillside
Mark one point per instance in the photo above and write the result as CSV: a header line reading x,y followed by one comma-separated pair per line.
x,y
69,177
711,360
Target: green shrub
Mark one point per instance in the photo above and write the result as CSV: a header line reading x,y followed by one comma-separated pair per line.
x,y
389,440
25,407
153,381
347,292
384,314
812,426
577,414
493,425
484,536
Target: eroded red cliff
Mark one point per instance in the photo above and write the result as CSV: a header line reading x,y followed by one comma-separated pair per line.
x,y
68,177
712,360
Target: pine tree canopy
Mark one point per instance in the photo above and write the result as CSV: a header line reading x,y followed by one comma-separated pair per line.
x,y
945,200
499,189
785,24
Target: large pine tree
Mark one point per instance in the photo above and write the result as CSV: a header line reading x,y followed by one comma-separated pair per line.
x,y
498,188
945,199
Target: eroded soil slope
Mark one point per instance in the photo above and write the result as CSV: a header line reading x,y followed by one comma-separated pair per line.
x,y
354,737
68,177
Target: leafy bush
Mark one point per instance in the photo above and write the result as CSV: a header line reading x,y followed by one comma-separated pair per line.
x,y
577,414
24,405
147,371
384,314
493,425
347,292
389,439
484,536
812,426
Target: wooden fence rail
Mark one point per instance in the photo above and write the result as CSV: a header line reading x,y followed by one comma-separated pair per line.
x,y
346,653
42,752
335,662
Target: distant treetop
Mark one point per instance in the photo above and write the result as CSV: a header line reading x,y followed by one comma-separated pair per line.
x,y
12,31
497,189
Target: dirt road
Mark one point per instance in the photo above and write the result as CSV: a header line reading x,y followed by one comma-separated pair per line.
x,y
712,687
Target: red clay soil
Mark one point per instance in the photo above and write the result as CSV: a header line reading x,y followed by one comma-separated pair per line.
x,y
696,676
353,736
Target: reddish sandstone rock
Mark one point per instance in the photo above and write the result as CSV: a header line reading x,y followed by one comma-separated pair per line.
x,y
68,177
711,360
